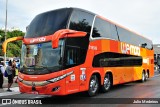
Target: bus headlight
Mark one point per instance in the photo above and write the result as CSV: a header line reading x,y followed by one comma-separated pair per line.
x,y
20,79
57,78
60,77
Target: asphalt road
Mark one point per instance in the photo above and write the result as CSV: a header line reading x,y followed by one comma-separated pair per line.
x,y
146,94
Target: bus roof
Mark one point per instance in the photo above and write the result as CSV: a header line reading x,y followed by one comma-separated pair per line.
x,y
122,26
70,9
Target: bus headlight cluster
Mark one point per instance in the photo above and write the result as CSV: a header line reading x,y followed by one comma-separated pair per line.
x,y
42,83
60,77
20,79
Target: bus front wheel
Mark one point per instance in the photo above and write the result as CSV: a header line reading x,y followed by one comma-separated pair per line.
x,y
106,83
93,86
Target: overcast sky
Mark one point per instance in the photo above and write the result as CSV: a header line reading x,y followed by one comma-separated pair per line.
x,y
142,16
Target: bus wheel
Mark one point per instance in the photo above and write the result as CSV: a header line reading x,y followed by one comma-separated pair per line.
x,y
106,83
143,77
146,75
93,86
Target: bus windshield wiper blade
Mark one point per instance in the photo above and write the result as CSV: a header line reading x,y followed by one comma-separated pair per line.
x,y
45,67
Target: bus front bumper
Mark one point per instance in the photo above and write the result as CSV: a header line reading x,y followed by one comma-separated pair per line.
x,y
57,88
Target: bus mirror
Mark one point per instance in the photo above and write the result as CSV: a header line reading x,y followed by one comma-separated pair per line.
x,y
65,33
4,45
143,45
55,43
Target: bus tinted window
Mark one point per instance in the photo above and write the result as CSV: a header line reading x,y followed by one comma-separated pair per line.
x,y
76,50
111,59
81,21
132,38
47,23
114,32
126,36
105,29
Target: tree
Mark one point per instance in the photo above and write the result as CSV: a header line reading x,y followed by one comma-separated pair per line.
x,y
14,48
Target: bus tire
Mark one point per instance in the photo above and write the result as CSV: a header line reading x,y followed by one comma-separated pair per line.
x,y
93,86
143,77
106,83
146,76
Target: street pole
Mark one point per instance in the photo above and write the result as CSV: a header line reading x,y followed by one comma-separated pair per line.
x,y
5,31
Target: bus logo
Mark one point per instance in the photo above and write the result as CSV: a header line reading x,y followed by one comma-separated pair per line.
x,y
35,40
130,49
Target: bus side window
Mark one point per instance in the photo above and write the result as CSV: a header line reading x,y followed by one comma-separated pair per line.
x,y
70,57
72,54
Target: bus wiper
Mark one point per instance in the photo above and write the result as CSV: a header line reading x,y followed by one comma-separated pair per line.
x,y
45,67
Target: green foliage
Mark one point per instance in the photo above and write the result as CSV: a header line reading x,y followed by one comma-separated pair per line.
x,y
13,48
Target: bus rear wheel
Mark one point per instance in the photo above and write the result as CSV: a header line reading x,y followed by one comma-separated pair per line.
x,y
143,77
106,83
93,86
146,76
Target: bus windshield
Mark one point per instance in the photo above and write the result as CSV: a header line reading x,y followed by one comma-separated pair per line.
x,y
48,23
41,58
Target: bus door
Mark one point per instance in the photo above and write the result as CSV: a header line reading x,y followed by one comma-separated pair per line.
x,y
71,61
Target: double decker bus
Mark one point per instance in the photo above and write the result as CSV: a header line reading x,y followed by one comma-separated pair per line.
x,y
71,50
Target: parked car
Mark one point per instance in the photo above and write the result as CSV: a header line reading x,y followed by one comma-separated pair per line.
x,y
6,63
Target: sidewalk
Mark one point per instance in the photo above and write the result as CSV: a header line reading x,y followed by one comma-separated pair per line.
x,y
14,87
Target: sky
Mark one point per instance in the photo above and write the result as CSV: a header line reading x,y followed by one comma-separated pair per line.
x,y
141,16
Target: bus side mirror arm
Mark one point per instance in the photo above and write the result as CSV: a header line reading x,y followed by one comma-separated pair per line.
x,y
65,33
4,45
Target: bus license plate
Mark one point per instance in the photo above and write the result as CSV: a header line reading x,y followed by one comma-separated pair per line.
x,y
34,92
